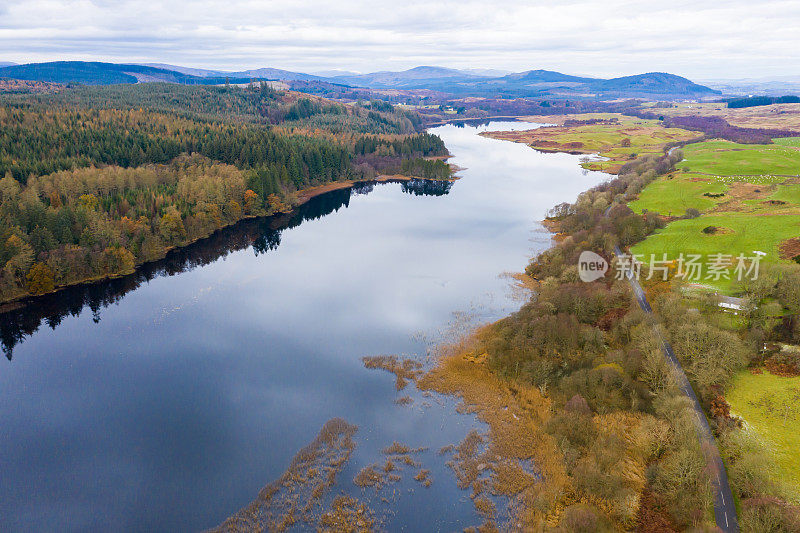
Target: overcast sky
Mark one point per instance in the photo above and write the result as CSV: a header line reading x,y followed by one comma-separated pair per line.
x,y
698,39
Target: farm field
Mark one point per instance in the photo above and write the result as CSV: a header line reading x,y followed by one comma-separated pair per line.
x,y
769,406
617,137
672,195
787,193
747,200
735,233
781,116
725,158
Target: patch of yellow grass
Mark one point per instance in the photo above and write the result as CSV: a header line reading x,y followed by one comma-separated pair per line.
x,y
766,403
519,460
515,414
405,370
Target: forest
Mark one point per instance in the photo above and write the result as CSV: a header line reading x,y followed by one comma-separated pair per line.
x,y
754,101
98,180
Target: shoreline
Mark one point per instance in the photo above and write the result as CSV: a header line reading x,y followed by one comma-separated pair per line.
x,y
511,118
303,197
526,423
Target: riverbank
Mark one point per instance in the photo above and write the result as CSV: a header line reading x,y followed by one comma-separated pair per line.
x,y
712,345
566,373
242,347
616,138
482,120
302,197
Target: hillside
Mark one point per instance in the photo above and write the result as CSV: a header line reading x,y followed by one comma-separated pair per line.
x,y
543,76
447,81
532,83
98,180
653,83
97,73
415,78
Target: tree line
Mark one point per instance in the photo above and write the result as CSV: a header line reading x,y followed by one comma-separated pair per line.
x,y
92,188
754,101
592,351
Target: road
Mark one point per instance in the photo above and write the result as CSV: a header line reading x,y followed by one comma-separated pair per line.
x,y
724,507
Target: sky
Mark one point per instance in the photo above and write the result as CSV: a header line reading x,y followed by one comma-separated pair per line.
x,y
699,39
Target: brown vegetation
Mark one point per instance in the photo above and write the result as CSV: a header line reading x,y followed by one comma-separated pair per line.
x,y
781,116
27,86
371,476
405,370
653,517
347,515
423,476
790,248
296,497
580,403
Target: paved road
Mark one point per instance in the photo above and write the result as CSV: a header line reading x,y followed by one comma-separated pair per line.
x,y
724,508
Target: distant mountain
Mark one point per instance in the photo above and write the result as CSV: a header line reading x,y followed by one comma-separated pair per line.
x,y
542,84
260,73
485,72
201,72
97,73
7,63
415,78
531,83
273,74
335,73
771,86
544,76
652,83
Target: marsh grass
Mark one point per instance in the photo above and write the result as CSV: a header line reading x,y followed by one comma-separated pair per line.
x,y
405,370
347,515
297,496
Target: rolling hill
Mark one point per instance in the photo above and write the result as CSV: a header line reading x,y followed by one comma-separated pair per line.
x,y
531,83
652,83
415,78
457,83
97,73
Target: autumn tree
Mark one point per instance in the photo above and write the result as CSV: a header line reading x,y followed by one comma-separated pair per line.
x,y
40,279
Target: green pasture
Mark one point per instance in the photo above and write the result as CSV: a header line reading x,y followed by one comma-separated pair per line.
x,y
769,407
726,158
673,195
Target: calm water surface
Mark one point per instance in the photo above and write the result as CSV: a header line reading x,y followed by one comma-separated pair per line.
x,y
166,400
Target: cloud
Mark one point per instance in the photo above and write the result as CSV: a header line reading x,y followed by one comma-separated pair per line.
x,y
700,39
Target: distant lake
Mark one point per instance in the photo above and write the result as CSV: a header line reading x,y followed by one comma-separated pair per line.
x,y
166,400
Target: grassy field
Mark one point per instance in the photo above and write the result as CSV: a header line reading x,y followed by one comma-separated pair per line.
x,y
619,141
748,194
737,233
787,193
672,195
783,116
744,194
725,158
765,403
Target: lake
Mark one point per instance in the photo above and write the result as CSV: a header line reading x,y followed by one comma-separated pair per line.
x,y
166,400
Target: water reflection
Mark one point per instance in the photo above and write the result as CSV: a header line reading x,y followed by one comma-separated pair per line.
x,y
195,390
263,235
426,188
